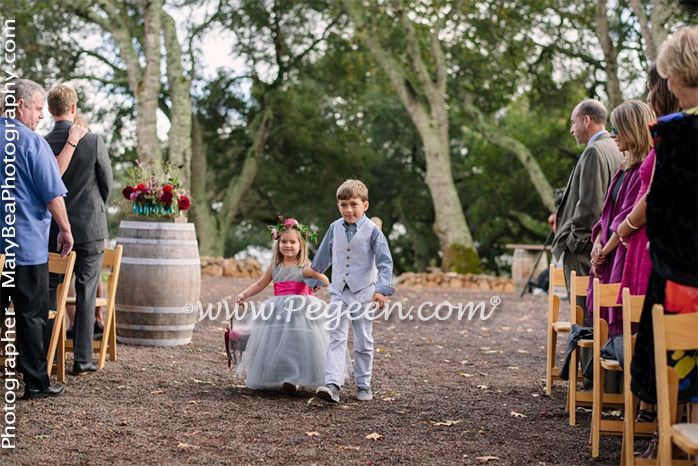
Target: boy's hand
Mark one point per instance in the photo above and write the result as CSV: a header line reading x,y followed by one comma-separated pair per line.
x,y
379,299
239,299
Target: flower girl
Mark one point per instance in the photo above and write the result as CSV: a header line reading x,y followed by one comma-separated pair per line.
x,y
289,338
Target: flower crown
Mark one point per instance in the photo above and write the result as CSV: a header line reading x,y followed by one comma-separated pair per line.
x,y
276,230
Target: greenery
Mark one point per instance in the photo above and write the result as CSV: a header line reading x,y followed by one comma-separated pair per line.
x,y
406,95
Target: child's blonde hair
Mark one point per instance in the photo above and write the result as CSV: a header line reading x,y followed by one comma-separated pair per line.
x,y
352,189
301,258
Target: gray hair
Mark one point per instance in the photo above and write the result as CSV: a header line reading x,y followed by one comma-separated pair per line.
x,y
22,89
594,109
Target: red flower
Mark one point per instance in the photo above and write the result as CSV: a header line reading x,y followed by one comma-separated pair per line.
x,y
166,198
167,188
126,192
184,203
140,187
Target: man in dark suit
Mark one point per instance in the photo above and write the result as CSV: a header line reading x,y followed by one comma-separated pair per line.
x,y
88,177
586,189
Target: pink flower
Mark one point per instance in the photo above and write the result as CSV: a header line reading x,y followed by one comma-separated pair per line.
x,y
274,234
134,195
291,222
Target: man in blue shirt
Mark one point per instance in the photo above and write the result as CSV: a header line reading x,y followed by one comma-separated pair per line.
x,y
31,187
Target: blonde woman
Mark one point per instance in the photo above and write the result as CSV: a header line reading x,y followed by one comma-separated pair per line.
x,y
631,134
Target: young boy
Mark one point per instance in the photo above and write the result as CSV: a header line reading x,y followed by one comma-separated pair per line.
x,y
362,268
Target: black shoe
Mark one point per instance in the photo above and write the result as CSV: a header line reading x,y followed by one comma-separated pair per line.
x,y
289,388
50,391
82,368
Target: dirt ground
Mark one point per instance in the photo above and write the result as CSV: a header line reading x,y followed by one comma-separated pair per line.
x,y
446,392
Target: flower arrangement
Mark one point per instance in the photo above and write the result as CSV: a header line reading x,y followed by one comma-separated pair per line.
x,y
276,230
155,190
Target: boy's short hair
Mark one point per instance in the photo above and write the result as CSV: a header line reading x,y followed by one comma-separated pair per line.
x,y
60,99
351,189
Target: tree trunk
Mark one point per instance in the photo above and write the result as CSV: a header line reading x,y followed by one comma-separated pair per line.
x,y
148,90
650,45
201,214
240,185
180,135
610,54
498,138
424,99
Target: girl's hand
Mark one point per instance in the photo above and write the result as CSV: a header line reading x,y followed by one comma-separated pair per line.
x,y
239,299
323,278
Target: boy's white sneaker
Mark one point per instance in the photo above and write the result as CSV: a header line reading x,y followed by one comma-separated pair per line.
x,y
364,394
329,393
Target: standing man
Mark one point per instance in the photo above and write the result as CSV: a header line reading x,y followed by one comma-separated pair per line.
x,y
88,177
32,188
586,189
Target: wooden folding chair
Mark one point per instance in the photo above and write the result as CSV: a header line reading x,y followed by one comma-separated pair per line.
x,y
632,310
604,295
575,397
112,262
672,333
56,347
555,327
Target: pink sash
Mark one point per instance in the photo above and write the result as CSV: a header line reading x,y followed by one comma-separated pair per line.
x,y
284,288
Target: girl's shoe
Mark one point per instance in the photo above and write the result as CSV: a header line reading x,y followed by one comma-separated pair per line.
x,y
646,415
289,388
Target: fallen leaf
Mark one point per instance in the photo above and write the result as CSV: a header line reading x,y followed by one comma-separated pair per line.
x,y
521,351
483,387
182,446
517,414
463,374
447,422
374,436
40,436
481,432
382,350
349,447
194,402
388,398
492,351
312,434
157,392
485,459
513,368
203,382
310,401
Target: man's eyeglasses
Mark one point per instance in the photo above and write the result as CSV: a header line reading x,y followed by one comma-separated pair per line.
x,y
614,131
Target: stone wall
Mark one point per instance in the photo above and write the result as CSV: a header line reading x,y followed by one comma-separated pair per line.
x,y
435,279
218,267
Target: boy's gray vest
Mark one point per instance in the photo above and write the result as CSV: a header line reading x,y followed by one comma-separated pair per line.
x,y
353,263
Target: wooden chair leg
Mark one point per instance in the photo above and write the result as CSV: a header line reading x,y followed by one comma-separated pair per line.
x,y
105,340
112,336
596,410
550,357
60,354
572,388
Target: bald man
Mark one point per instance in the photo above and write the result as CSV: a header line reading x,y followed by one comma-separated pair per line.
x,y
586,189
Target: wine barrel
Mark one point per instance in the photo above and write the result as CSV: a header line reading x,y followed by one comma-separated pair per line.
x,y
160,274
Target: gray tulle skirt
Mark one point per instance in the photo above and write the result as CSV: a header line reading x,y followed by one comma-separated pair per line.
x,y
288,343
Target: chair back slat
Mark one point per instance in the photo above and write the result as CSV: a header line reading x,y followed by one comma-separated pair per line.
x,y
671,333
579,284
557,277
608,294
